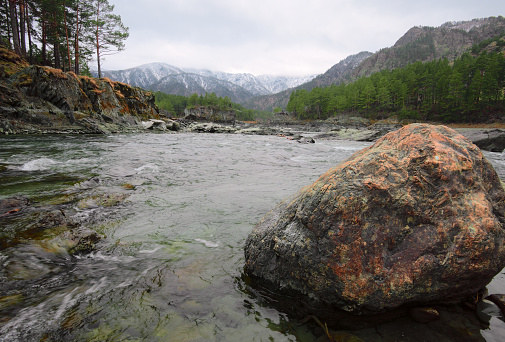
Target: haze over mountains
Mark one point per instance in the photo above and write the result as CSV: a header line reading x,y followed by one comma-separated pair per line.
x,y
172,80
449,40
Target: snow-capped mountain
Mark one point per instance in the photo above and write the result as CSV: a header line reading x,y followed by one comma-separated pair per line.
x,y
144,75
189,83
173,80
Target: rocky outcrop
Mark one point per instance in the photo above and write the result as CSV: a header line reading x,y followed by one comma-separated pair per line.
x,y
161,125
38,99
486,139
211,114
417,218
209,127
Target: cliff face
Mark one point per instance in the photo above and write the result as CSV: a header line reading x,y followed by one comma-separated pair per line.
x,y
37,99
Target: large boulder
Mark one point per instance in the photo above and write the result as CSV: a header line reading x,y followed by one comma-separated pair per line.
x,y
417,218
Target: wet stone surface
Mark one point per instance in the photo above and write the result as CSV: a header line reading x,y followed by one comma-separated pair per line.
x,y
170,263
417,218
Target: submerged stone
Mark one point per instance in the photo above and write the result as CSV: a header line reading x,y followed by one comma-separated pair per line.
x,y
417,218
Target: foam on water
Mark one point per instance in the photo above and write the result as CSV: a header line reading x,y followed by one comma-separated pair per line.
x,y
149,251
38,164
150,166
104,257
207,243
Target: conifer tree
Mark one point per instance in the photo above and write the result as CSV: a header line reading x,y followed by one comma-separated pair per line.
x,y
109,31
14,26
61,33
5,31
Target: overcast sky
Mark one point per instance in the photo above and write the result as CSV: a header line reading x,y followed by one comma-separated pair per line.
x,y
278,37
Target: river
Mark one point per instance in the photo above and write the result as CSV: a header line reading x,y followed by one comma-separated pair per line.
x,y
170,265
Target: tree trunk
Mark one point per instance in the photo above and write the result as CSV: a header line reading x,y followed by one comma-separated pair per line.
x,y
56,43
5,7
76,46
57,57
44,39
14,26
29,30
98,41
98,57
66,36
22,26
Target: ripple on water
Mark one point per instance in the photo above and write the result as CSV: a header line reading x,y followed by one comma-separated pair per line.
x,y
38,164
168,269
207,243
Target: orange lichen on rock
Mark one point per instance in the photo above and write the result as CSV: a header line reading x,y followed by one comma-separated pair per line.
x,y
418,217
56,73
41,98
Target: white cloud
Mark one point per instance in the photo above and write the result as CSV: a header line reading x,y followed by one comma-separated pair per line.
x,y
274,36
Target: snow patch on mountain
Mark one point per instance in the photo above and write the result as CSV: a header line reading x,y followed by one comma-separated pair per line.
x,y
157,76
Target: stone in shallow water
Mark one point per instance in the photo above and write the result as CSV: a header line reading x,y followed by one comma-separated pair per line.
x,y
417,218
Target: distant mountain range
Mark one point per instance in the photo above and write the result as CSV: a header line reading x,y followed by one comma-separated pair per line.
x,y
449,40
340,72
425,43
172,80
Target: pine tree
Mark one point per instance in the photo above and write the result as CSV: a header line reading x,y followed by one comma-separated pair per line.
x,y
109,31
367,93
83,35
5,30
384,93
14,26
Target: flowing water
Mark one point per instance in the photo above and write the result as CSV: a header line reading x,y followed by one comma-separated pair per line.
x,y
170,267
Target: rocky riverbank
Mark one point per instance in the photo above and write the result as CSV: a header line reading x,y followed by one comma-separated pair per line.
x,y
38,99
42,238
344,128
44,100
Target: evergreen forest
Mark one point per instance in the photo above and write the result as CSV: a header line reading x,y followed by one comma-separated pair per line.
x,y
65,34
176,104
468,89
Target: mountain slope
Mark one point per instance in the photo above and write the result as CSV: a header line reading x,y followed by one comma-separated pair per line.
x,y
173,80
144,75
340,72
188,83
450,40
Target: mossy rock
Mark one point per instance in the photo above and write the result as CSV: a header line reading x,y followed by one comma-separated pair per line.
x,y
102,200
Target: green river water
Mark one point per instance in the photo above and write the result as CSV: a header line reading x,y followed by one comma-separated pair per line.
x,y
170,265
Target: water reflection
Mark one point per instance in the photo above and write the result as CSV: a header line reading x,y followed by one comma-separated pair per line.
x,y
462,322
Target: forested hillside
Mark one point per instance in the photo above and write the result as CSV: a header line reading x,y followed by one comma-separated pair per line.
x,y
175,105
469,89
424,44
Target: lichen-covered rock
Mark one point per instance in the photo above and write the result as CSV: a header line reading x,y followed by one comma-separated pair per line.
x,y
417,218
40,99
